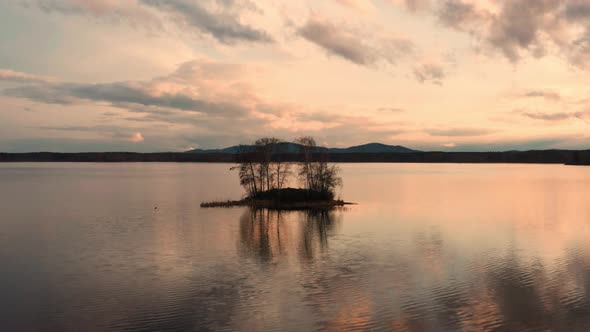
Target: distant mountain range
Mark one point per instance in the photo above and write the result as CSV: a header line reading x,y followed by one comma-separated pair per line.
x,y
287,147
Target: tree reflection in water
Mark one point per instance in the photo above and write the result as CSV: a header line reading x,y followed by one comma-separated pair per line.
x,y
303,279
267,235
347,287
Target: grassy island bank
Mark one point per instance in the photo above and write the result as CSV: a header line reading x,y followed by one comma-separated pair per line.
x,y
284,199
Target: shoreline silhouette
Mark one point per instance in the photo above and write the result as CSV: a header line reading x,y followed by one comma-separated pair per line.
x,y
568,157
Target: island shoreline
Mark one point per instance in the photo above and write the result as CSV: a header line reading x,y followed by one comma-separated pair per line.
x,y
278,205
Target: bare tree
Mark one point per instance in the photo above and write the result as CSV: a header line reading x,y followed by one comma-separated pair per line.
x,y
307,146
248,170
261,168
264,151
314,170
327,179
282,171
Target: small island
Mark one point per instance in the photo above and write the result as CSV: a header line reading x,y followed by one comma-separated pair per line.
x,y
263,175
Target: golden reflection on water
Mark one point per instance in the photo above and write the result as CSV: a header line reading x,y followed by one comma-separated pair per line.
x,y
462,251
428,248
269,235
503,290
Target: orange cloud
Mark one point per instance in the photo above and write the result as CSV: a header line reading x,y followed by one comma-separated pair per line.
x,y
137,137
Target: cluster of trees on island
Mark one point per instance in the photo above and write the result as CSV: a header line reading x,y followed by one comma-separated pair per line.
x,y
264,175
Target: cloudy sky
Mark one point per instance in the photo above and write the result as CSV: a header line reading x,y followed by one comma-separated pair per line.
x,y
170,75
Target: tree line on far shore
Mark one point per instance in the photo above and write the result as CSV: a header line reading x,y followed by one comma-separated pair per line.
x,y
262,171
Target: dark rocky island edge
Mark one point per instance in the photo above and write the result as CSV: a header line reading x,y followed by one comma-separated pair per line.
x,y
284,199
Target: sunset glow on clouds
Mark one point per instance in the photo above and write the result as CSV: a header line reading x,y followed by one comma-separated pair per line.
x,y
155,75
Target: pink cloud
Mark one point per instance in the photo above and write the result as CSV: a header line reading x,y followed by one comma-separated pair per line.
x,y
137,137
16,76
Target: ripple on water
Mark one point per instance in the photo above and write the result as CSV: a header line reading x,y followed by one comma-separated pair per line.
x,y
407,260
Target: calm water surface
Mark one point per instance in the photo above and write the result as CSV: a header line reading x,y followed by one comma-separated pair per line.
x,y
429,247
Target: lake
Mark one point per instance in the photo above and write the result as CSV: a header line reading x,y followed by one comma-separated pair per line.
x,y
428,247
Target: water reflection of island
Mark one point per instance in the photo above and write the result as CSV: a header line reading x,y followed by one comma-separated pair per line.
x,y
302,268
267,235
503,293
